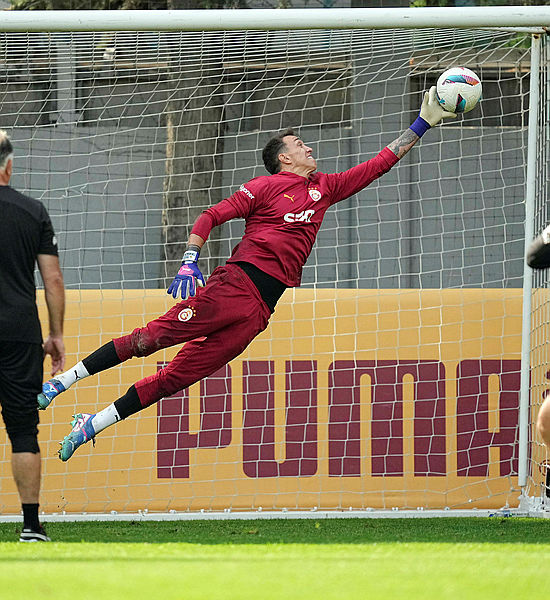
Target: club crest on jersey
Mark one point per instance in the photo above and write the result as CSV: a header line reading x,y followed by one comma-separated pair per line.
x,y
315,195
186,314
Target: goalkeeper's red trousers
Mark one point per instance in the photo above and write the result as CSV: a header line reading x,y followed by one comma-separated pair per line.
x,y
217,324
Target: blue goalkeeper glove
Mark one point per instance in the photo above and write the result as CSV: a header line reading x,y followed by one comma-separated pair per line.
x,y
188,277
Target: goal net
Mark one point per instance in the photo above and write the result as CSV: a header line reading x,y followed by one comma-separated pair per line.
x,y
391,378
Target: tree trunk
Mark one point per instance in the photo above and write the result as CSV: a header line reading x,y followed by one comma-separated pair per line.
x,y
194,124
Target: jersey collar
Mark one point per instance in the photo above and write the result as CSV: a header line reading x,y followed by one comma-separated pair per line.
x,y
296,176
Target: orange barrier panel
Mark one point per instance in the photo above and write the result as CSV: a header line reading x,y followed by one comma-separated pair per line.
x,y
350,399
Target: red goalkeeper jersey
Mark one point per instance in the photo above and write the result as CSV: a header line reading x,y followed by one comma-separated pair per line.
x,y
283,213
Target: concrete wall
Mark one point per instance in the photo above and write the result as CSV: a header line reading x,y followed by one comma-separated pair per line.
x,y
449,215
106,213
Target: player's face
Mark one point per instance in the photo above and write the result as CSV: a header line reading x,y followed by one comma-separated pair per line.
x,y
299,155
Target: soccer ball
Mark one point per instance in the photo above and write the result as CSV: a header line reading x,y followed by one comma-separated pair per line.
x,y
458,90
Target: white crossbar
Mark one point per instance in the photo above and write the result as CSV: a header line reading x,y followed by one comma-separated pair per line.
x,y
275,19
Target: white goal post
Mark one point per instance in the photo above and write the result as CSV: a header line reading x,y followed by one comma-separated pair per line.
x,y
404,376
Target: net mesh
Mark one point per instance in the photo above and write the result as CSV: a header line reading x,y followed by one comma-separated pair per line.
x,y
391,378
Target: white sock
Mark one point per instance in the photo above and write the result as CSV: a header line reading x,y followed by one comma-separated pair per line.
x,y
106,417
71,376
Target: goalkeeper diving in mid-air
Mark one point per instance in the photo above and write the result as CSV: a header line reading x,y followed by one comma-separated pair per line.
x,y
283,212
538,257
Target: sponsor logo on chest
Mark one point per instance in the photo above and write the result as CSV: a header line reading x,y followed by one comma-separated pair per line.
x,y
304,216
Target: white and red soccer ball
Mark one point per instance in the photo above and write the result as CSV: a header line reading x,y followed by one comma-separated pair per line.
x,y
458,90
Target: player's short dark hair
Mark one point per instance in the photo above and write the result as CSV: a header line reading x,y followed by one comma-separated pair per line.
x,y
272,149
6,148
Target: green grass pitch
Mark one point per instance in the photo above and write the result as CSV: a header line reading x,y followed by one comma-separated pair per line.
x,y
325,559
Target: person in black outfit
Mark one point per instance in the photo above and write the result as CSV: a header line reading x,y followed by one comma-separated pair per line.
x,y
27,239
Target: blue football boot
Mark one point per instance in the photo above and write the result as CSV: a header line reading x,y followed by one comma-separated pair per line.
x,y
50,390
82,432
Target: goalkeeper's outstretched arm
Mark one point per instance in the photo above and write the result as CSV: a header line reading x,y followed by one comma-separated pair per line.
x,y
430,115
538,253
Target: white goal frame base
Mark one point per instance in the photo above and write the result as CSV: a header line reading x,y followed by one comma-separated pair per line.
x,y
229,515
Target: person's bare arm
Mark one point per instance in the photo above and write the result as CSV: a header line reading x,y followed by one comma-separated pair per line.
x,y
403,143
195,240
54,290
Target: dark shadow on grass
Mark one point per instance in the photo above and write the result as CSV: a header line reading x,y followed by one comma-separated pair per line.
x,y
147,561
300,531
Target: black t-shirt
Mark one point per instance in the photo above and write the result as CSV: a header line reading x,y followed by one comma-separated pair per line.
x,y
25,232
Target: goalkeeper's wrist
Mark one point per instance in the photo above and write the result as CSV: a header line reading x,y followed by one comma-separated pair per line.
x,y
420,126
191,255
